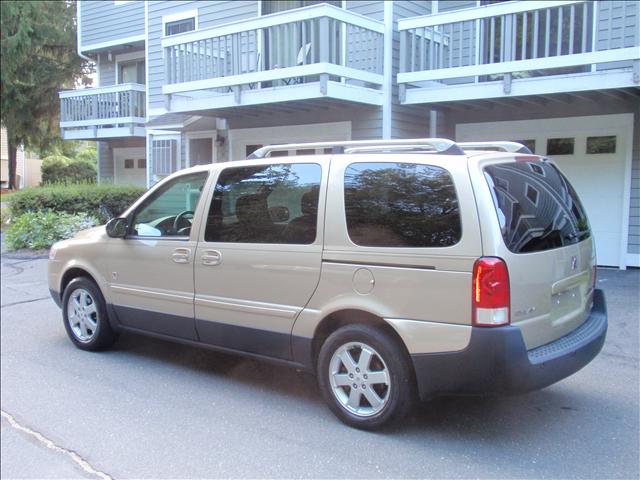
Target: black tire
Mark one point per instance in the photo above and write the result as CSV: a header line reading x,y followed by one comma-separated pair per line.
x,y
398,395
97,338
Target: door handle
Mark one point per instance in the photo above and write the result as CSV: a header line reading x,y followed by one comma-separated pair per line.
x,y
181,255
211,257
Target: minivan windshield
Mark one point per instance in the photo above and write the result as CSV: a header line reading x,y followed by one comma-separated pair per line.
x,y
537,207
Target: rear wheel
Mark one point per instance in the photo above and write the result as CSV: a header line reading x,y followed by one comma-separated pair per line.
x,y
85,316
365,376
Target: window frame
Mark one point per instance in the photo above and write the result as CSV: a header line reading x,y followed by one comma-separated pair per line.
x,y
178,16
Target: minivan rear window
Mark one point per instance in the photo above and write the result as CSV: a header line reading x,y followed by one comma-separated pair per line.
x,y
400,205
537,207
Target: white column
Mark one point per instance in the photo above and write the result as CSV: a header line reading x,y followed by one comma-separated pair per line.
x,y
387,71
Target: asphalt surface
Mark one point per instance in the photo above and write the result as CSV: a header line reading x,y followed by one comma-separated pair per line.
x,y
152,409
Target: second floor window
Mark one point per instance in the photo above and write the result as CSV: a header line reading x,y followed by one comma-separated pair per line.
x,y
180,26
131,72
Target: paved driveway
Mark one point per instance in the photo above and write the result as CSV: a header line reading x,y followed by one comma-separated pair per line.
x,y
151,409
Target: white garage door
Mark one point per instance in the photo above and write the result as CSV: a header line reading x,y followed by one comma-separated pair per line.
x,y
130,166
595,154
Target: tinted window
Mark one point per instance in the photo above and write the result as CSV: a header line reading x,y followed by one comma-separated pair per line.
x,y
560,146
401,205
537,207
601,144
265,204
180,26
169,210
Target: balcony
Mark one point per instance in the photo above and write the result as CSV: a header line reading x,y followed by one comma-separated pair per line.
x,y
106,112
310,53
519,48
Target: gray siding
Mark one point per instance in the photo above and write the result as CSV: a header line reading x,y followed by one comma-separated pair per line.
x,y
106,71
105,21
105,163
634,212
210,14
373,9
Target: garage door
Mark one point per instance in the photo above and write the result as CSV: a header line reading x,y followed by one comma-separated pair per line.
x,y
595,154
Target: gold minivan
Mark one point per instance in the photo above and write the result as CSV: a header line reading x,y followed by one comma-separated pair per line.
x,y
394,270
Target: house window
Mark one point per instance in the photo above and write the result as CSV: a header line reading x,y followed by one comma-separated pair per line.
x,y
142,163
165,156
601,144
131,72
128,163
180,26
560,146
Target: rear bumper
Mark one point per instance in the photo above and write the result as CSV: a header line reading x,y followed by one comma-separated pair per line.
x,y
497,361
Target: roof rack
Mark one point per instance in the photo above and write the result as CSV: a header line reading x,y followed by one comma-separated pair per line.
x,y
511,147
437,145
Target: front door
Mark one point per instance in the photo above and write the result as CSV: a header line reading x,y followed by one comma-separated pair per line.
x,y
152,268
258,259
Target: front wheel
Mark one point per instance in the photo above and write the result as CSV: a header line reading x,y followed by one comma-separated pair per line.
x,y
85,316
365,377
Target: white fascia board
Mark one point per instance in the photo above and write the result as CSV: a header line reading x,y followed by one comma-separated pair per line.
x,y
484,11
113,43
604,56
353,93
521,87
101,121
125,57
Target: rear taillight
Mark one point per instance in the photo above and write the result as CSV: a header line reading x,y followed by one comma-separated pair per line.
x,y
491,299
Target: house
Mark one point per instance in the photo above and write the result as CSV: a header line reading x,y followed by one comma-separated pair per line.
x,y
190,82
28,165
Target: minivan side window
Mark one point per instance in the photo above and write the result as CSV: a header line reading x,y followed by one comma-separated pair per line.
x,y
168,212
401,205
265,204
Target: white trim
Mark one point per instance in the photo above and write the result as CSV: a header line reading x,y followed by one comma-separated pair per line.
x,y
626,190
102,121
240,138
146,60
279,18
387,80
526,86
485,11
155,112
577,59
175,17
277,74
103,133
126,57
113,43
122,2
200,134
82,92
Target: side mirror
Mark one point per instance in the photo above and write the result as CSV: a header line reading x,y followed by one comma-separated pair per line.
x,y
279,214
117,227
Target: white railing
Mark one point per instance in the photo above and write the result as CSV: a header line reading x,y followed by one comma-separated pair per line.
x,y
523,39
280,49
103,106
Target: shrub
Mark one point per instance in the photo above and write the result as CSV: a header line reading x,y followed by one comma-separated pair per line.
x,y
61,169
37,230
100,201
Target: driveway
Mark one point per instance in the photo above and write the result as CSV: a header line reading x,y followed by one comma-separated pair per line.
x,y
151,409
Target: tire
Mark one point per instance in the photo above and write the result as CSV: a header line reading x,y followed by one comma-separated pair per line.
x,y
85,316
352,385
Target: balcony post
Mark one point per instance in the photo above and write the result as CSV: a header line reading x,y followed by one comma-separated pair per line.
x,y
324,39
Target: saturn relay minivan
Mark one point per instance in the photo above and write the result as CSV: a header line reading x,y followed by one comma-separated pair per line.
x,y
394,270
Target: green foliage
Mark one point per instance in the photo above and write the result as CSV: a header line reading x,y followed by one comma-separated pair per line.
x,y
101,201
61,169
37,230
38,58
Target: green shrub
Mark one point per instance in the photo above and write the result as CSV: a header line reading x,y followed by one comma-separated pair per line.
x,y
61,169
101,201
37,230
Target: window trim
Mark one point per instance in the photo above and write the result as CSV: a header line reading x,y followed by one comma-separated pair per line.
x,y
212,134
175,17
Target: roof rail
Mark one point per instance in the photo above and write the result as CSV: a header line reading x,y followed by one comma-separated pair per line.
x,y
437,145
511,147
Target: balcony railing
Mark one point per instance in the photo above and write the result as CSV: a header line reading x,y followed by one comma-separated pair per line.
x,y
515,40
103,112
319,43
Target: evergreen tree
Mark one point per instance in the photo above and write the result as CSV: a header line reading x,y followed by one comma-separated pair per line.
x,y
38,59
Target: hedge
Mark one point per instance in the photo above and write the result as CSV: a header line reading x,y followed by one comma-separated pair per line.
x,y
60,169
100,201
38,230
